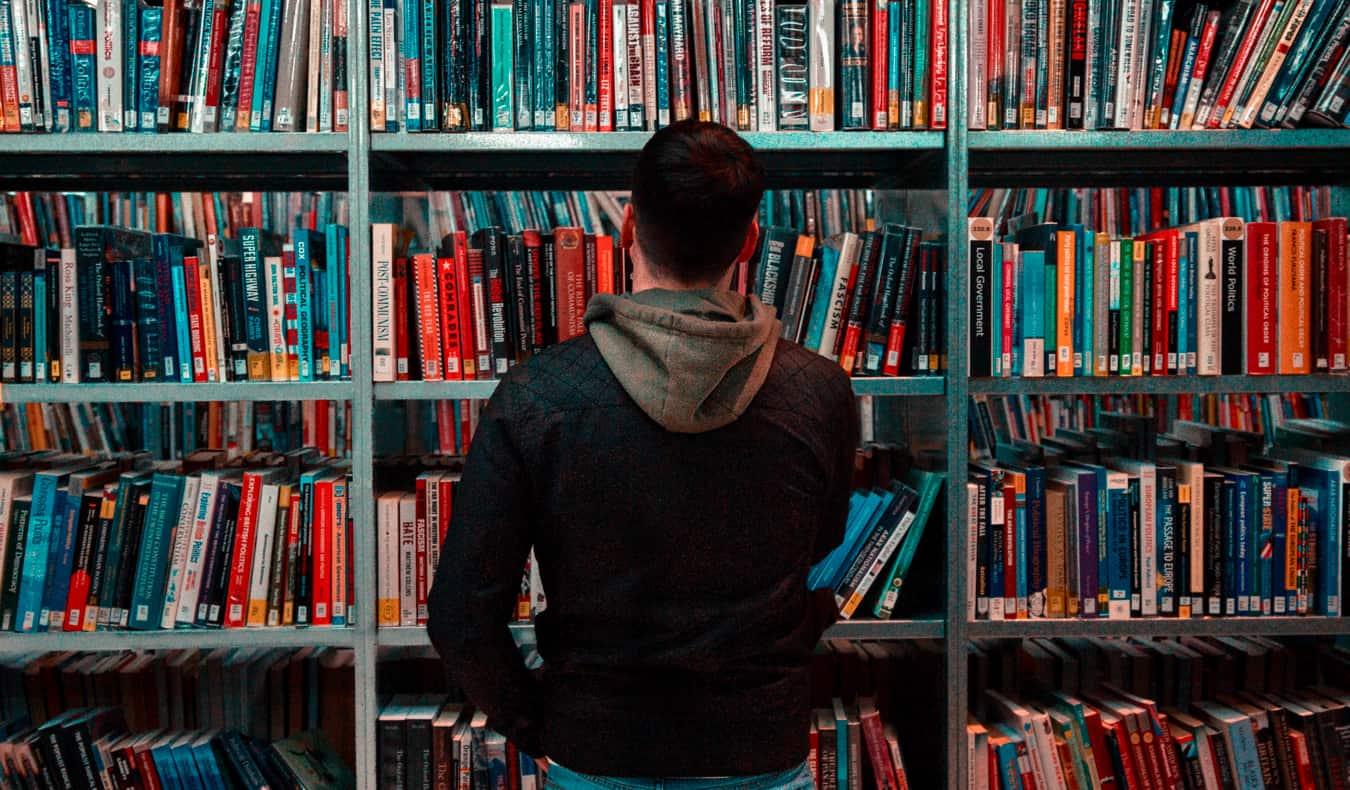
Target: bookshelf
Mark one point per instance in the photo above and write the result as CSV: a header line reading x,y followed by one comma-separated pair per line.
x,y
362,163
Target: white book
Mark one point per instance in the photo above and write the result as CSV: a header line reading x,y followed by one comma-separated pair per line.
x,y
850,247
200,117
1209,304
1139,85
637,93
182,537
109,65
264,541
69,320
1196,79
215,247
276,317
974,608
407,560
619,45
393,75
376,20
1124,65
196,549
382,301
387,550
820,58
766,68
325,89
312,70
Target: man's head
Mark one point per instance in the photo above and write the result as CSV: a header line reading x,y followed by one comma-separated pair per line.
x,y
696,189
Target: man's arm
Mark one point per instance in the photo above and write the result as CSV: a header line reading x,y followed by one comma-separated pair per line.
x,y
830,532
471,603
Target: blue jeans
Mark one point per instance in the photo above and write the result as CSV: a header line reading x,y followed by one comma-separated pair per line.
x,y
799,778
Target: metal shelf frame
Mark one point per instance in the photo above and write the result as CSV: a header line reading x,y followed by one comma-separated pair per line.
x,y
363,163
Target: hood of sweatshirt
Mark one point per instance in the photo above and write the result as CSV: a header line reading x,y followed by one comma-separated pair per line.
x,y
692,360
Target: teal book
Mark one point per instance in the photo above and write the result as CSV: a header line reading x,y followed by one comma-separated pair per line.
x,y
820,301
923,103
308,245
841,742
1032,317
181,753
65,533
117,532
503,57
208,766
338,342
928,485
995,303
1083,349
1006,754
161,754
147,602
38,549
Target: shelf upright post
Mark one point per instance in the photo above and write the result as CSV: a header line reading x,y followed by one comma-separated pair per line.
x,y
362,502
958,44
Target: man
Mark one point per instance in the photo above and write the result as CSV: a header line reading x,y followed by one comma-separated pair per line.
x,y
677,470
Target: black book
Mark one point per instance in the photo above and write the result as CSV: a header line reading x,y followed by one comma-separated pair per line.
x,y
117,541
149,333
98,559
1232,321
798,287
501,290
137,504
219,550
981,298
303,565
454,87
522,312
885,294
26,320
16,544
51,274
86,524
97,249
230,283
773,267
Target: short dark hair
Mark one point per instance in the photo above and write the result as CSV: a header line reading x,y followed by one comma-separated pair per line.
x,y
696,189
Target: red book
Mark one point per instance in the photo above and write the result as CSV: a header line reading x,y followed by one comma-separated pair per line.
x,y
605,279
290,313
449,319
9,87
512,767
1164,110
445,426
1172,264
1097,737
401,354
576,73
247,65
464,311
77,597
1262,296
1009,551
880,74
236,598
428,316
605,67
1302,759
904,297
1249,41
447,495
482,342
995,63
937,86
1337,286
877,749
544,320
214,61
194,299
420,542
570,282
145,763
321,547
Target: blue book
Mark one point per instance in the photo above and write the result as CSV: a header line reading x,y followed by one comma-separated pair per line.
x,y
161,517
1033,312
59,561
1284,594
1019,517
861,506
152,30
336,249
1010,774
503,80
40,372
83,69
410,42
841,742
1082,314
1186,356
1240,737
662,63
879,502
996,310
189,775
820,302
180,308
41,526
268,20
1120,556
427,59
305,248
167,768
131,38
207,763
255,303
57,18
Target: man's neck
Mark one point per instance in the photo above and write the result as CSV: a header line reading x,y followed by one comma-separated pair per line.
x,y
646,276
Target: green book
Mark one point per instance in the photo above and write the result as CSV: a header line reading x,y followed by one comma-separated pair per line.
x,y
503,77
928,484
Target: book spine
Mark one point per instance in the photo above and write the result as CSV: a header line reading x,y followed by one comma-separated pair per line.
x,y
820,53
793,46
854,59
110,66
1338,291
1294,300
151,28
1262,271
938,79
981,260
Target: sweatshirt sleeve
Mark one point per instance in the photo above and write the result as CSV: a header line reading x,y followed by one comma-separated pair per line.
x,y
477,582
830,532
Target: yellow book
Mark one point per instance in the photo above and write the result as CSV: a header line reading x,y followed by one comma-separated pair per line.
x,y
1064,263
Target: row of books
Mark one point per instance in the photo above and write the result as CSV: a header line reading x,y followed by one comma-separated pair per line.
x,y
426,428
1028,418
259,540
49,219
1222,296
267,694
1226,712
130,306
1091,64
1142,210
176,430
130,66
1120,521
885,526
635,65
93,748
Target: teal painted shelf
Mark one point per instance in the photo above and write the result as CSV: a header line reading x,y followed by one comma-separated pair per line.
x,y
149,392
1160,385
911,386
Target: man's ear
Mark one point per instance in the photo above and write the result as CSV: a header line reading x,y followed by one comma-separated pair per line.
x,y
626,233
751,239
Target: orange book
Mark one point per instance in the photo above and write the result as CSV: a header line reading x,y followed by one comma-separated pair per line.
x,y
1064,262
604,265
1294,305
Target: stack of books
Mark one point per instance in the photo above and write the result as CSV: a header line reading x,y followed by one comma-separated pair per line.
x,y
637,65
1141,64
1205,713
1123,521
115,66
209,542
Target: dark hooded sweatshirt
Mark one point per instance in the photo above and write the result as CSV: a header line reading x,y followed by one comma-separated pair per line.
x,y
677,470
